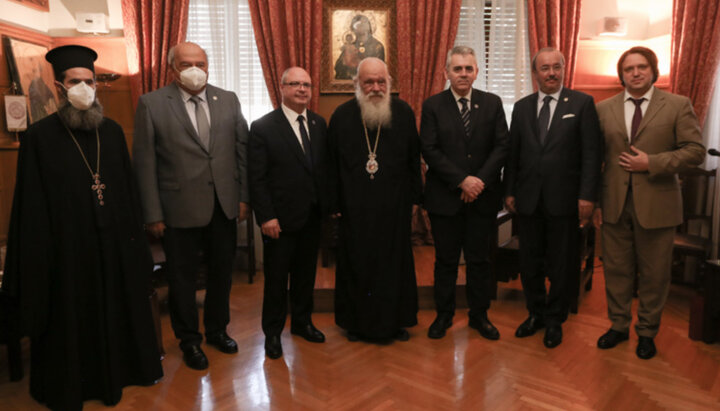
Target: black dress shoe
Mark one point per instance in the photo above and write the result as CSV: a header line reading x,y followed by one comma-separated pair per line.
x,y
352,337
646,348
611,338
402,335
437,328
530,326
485,327
553,336
308,332
223,342
273,347
194,357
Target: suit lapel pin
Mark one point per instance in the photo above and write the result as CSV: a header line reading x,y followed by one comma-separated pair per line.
x,y
215,98
313,122
476,106
565,99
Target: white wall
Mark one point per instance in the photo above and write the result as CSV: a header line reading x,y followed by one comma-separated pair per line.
x,y
646,18
60,21
27,17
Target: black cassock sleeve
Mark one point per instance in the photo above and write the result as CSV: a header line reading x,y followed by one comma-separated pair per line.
x,y
27,267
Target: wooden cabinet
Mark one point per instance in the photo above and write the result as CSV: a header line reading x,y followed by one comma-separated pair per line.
x,y
8,166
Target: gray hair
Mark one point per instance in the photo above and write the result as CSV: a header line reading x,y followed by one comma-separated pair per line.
x,y
285,73
462,50
546,50
171,53
368,59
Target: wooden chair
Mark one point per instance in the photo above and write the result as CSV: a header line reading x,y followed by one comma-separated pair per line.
x,y
249,247
693,238
505,259
704,321
582,282
157,278
328,241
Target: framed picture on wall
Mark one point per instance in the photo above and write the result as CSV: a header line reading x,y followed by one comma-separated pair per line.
x,y
33,75
42,5
354,30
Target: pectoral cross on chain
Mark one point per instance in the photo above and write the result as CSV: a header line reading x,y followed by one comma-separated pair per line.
x,y
98,187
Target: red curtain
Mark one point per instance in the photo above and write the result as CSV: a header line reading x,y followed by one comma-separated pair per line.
x,y
426,30
555,23
288,33
695,51
151,27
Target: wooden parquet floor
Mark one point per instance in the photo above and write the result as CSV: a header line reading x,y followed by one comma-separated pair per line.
x,y
462,371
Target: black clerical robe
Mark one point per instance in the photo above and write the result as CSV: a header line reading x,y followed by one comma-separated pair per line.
x,y
78,270
375,287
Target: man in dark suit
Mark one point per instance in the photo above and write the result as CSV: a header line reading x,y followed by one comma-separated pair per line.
x,y
189,151
464,143
552,177
288,192
650,136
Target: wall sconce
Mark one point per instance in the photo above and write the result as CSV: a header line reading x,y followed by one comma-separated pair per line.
x,y
106,78
613,26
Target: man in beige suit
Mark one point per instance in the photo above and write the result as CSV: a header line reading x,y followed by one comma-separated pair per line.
x,y
650,136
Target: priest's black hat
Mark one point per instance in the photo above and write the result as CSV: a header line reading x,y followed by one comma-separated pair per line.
x,y
67,57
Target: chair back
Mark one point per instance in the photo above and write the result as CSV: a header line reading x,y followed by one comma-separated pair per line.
x,y
698,193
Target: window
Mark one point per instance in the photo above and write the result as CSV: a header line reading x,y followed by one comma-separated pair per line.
x,y
497,31
223,28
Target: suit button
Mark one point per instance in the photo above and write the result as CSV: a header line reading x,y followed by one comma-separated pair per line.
x,y
469,155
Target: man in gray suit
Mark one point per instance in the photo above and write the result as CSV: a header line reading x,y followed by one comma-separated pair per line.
x,y
189,150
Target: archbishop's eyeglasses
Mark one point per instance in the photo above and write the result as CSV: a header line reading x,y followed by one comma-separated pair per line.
x,y
297,84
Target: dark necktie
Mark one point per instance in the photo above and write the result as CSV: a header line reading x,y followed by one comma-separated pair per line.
x,y
465,114
637,118
544,119
203,125
305,141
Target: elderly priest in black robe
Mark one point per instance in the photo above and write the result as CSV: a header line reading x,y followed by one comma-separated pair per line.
x,y
375,173
78,261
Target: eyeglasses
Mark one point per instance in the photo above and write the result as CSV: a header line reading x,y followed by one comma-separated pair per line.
x,y
297,84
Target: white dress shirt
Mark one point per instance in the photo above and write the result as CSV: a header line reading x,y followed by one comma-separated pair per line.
x,y
292,117
458,97
630,108
190,106
553,103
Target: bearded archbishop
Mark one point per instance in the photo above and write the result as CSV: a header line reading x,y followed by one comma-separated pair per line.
x,y
375,175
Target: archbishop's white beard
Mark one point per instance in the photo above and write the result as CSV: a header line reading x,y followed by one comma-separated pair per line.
x,y
374,113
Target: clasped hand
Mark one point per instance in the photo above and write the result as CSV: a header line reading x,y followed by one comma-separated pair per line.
x,y
471,188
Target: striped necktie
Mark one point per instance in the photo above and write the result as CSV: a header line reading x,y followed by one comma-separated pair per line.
x,y
465,114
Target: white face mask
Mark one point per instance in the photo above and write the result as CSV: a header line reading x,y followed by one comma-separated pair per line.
x,y
193,78
81,96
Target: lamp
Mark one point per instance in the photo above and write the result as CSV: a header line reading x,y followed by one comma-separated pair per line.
x,y
106,78
613,26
